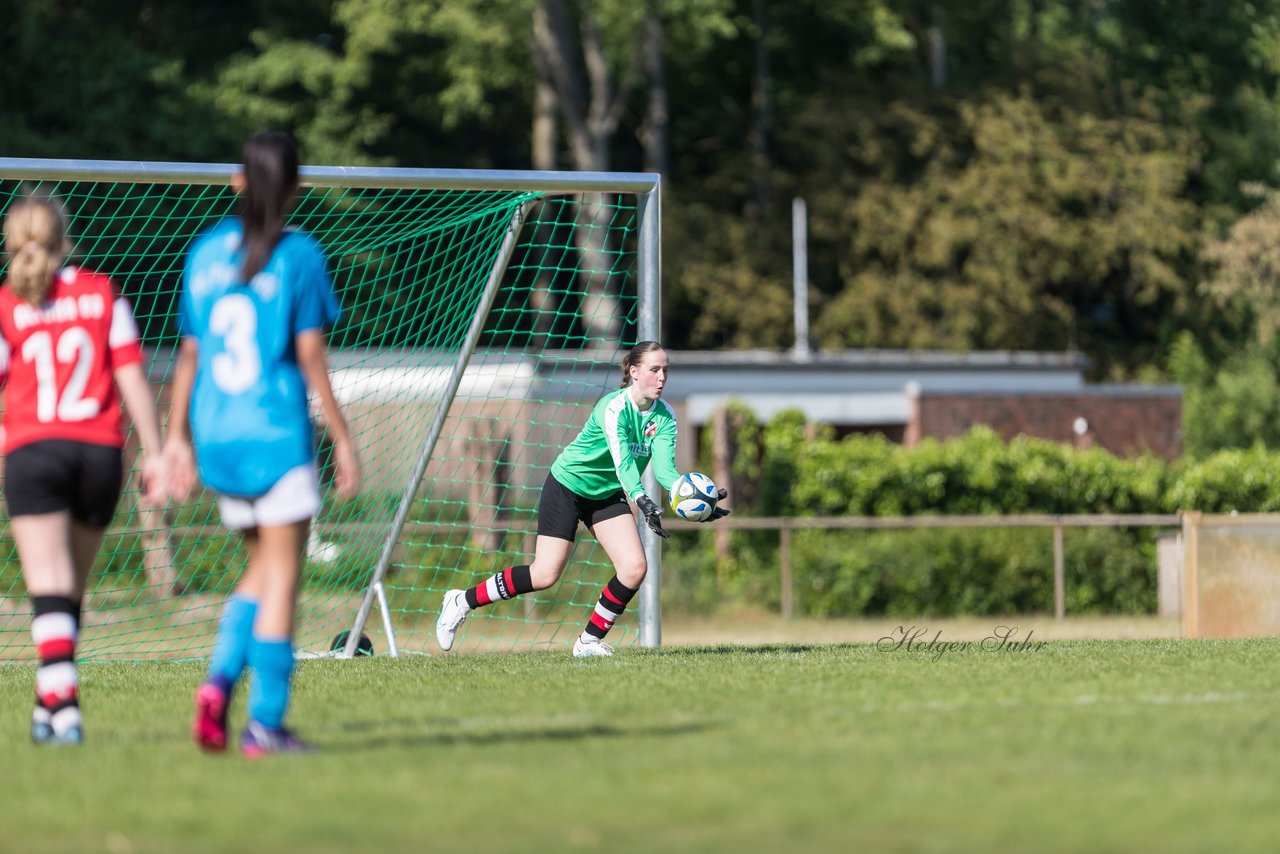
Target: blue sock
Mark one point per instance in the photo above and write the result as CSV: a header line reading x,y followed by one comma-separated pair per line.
x,y
231,650
272,663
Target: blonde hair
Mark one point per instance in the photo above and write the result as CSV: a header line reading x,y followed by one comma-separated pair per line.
x,y
35,236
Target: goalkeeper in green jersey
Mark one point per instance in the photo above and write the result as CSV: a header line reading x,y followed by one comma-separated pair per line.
x,y
594,481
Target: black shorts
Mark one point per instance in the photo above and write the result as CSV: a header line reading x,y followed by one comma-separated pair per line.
x,y
560,509
56,474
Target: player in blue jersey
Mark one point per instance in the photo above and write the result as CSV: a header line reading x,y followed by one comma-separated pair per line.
x,y
256,298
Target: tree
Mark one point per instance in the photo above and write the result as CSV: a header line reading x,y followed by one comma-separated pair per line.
x,y
390,82
110,80
1006,224
1219,78
1244,268
1232,403
727,253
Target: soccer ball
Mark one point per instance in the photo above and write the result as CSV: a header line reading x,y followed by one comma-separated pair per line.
x,y
364,646
693,496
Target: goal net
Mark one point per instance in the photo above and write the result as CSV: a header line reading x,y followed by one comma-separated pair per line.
x,y
484,313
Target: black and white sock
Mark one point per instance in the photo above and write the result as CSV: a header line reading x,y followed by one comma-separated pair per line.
x,y
613,601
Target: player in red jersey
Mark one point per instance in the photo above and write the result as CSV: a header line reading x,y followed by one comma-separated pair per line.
x,y
67,341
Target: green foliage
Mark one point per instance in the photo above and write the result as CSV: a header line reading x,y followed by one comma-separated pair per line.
x,y
1233,404
77,77
784,439
10,567
953,572
801,470
1053,186
695,582
866,475
727,290
1003,221
210,563
746,450
1244,267
1218,80
1243,481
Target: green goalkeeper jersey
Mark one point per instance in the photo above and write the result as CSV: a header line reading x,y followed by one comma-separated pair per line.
x,y
615,447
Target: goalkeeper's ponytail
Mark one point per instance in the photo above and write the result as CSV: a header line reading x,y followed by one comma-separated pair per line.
x,y
270,180
633,358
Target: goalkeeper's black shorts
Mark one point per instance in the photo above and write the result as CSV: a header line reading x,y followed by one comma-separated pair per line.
x,y
560,509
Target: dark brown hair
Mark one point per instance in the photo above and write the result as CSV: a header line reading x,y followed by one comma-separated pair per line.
x,y
270,179
633,358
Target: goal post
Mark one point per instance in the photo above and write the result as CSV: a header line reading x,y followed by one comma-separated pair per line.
x,y
375,589
485,312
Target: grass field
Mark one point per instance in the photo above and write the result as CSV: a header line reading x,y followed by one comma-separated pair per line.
x,y
1162,744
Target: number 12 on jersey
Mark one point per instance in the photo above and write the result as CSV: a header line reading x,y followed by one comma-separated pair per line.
x,y
74,346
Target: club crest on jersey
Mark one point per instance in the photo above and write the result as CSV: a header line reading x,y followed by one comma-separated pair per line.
x,y
651,429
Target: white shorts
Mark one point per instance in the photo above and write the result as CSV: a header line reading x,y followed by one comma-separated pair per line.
x,y
294,497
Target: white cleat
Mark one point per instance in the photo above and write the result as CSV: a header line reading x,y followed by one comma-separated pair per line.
x,y
453,613
591,649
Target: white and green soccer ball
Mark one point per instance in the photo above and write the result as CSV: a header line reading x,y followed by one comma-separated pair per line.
x,y
693,496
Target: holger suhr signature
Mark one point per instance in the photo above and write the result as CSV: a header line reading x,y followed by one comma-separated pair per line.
x,y
916,639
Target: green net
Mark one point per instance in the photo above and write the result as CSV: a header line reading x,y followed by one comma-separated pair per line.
x,y
410,267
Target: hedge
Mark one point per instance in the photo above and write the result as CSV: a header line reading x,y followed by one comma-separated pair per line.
x,y
790,468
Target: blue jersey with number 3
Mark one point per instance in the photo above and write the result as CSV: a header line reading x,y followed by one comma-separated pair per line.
x,y
249,418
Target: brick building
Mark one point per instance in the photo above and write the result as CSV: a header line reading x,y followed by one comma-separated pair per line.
x,y
1124,419
913,395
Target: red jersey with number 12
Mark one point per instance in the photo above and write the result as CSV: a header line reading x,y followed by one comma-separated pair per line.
x,y
59,359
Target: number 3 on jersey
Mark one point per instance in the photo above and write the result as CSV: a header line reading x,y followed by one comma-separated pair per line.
x,y
74,346
238,367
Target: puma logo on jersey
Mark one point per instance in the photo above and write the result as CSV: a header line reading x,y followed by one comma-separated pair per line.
x,y
60,310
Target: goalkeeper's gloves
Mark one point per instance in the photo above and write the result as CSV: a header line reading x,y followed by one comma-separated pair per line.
x,y
652,515
719,512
